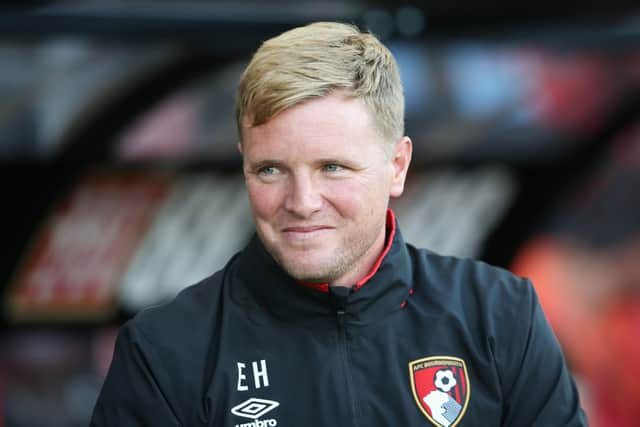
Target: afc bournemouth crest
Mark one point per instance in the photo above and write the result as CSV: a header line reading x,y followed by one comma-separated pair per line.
x,y
440,386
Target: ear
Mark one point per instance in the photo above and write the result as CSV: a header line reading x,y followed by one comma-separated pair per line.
x,y
239,145
400,159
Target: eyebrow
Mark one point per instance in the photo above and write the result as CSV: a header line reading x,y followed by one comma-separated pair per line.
x,y
336,160
259,164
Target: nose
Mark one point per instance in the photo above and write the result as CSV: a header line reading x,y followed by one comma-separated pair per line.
x,y
303,198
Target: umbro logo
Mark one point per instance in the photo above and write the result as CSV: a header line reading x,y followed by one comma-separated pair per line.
x,y
255,408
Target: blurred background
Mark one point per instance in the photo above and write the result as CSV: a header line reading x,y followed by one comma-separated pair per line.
x,y
121,184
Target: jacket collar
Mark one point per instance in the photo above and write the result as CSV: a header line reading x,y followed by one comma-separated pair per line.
x,y
259,280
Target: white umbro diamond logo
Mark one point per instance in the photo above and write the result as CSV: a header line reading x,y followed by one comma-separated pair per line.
x,y
254,408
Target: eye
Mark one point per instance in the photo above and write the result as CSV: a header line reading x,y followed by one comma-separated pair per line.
x,y
332,167
268,171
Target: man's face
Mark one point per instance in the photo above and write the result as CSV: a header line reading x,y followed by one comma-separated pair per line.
x,y
319,180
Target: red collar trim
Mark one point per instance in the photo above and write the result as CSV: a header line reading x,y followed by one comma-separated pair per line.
x,y
391,232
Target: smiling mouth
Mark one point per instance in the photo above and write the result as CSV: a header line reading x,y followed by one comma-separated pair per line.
x,y
306,229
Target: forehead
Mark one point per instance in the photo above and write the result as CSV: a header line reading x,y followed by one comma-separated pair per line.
x,y
331,122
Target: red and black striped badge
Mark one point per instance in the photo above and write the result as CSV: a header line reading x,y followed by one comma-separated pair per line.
x,y
440,386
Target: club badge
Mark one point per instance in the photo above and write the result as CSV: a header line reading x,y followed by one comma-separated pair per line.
x,y
440,386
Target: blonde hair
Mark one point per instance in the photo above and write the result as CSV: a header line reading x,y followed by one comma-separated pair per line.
x,y
314,61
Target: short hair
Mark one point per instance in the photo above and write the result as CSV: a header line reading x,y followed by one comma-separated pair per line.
x,y
317,60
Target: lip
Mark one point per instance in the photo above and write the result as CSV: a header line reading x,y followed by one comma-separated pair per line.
x,y
306,229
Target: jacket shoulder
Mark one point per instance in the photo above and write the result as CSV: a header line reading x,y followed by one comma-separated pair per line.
x,y
187,315
473,290
454,274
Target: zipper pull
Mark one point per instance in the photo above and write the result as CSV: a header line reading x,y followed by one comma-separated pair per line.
x,y
339,297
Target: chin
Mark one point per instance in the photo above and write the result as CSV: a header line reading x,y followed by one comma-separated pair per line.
x,y
312,265
311,273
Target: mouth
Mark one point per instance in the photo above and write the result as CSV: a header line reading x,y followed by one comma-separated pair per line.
x,y
305,233
310,229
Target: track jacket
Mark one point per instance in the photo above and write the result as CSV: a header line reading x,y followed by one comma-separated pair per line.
x,y
423,340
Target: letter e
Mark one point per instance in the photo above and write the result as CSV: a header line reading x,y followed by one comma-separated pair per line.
x,y
241,376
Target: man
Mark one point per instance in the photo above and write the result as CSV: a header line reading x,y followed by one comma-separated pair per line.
x,y
328,318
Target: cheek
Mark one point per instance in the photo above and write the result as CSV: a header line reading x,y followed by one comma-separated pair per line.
x,y
353,199
263,199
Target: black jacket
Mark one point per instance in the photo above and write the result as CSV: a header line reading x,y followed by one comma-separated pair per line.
x,y
249,346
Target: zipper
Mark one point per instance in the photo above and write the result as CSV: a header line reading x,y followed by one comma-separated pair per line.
x,y
344,356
